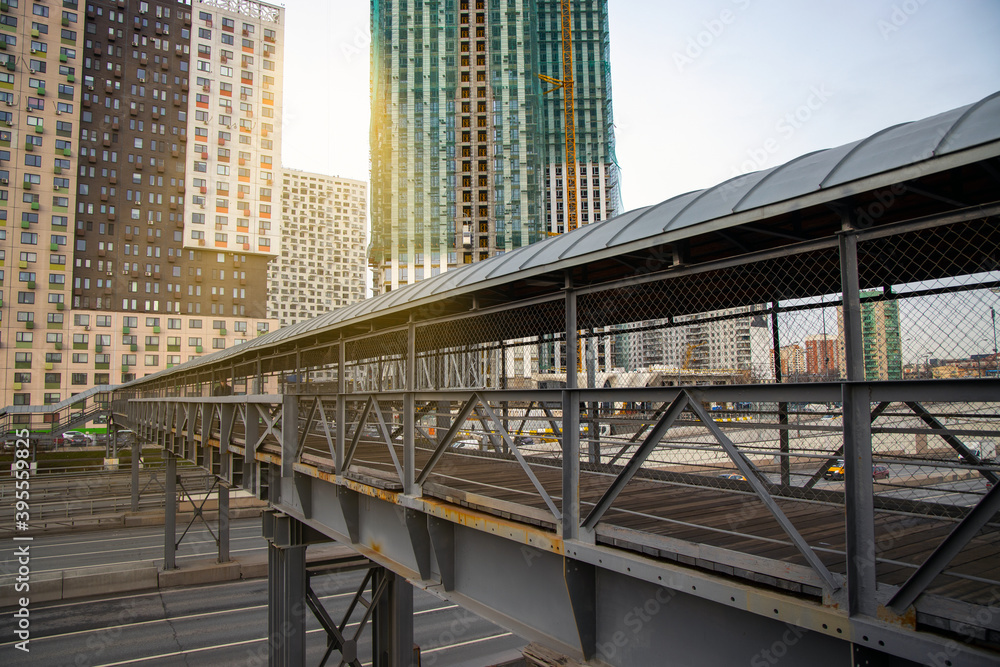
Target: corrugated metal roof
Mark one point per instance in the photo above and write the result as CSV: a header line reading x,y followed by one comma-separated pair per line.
x,y
920,143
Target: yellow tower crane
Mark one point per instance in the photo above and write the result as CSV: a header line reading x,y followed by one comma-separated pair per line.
x,y
569,115
569,127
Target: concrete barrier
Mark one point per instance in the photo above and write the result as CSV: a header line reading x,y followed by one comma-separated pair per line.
x,y
42,587
199,572
106,579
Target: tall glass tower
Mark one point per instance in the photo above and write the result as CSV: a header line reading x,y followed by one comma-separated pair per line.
x,y
467,150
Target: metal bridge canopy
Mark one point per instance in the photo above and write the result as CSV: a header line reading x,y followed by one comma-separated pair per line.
x,y
760,360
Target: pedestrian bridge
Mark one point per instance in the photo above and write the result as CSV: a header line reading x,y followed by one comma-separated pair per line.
x,y
750,424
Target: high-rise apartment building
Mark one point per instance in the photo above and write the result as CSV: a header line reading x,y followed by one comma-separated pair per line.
x,y
821,356
322,262
467,153
880,335
719,341
158,124
793,362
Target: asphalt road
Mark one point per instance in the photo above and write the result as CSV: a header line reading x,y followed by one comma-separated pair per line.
x,y
226,624
129,546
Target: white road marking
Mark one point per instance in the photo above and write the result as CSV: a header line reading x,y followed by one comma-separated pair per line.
x,y
259,639
145,560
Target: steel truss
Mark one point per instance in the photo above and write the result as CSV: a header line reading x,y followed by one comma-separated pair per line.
x,y
407,436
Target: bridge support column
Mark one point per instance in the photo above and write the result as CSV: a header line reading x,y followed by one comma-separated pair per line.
x,y
223,523
286,605
170,513
392,622
136,456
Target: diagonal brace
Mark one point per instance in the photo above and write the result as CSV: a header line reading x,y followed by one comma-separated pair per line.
x,y
388,439
955,443
520,459
959,537
750,472
198,512
442,446
670,412
356,438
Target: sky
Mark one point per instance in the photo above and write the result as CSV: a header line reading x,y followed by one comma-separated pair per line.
x,y
702,91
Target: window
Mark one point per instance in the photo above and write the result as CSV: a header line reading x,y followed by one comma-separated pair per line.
x,y
78,378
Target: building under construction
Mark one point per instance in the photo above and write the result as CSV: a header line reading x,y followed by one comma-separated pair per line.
x,y
468,143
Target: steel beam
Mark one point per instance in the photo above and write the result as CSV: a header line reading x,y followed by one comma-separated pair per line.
x,y
223,523
859,489
392,623
289,433
859,492
170,513
136,462
286,632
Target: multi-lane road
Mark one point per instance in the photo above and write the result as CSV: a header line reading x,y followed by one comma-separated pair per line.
x,y
220,624
226,624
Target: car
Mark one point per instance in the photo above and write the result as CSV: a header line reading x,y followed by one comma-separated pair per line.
x,y
75,439
836,471
733,476
465,444
524,441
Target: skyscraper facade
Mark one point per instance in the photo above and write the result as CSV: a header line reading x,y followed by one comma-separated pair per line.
x,y
467,150
322,262
146,134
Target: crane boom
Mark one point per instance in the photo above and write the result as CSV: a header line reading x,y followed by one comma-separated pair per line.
x,y
569,128
569,113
